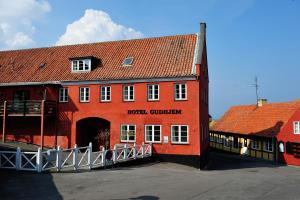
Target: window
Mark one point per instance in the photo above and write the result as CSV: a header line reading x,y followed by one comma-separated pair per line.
x,y
297,127
153,133
84,94
255,144
220,139
83,65
268,145
227,141
180,91
153,92
128,93
179,134
235,142
63,95
128,133
128,61
212,137
105,93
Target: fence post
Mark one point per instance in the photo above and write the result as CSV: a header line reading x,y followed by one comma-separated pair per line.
x,y
18,158
115,154
58,158
39,160
134,151
90,154
151,145
103,158
75,157
125,152
143,150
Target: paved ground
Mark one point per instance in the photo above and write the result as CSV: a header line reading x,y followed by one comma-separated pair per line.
x,y
227,178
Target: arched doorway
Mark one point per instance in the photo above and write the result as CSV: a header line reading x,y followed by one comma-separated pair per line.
x,y
95,130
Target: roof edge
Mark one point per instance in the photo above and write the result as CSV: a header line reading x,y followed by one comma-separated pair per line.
x,y
103,81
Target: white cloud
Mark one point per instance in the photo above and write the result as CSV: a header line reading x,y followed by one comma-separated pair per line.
x,y
96,26
16,18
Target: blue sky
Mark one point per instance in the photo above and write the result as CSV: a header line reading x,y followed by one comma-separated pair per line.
x,y
245,38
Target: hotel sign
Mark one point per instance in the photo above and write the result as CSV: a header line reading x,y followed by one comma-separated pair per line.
x,y
155,112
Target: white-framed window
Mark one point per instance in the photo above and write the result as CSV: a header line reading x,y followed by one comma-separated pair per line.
x,y
105,95
268,145
84,94
180,91
82,65
153,92
227,141
153,133
128,93
219,139
297,127
180,134
128,133
235,142
255,144
63,94
212,137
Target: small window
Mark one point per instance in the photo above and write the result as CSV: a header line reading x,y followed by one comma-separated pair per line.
x,y
180,91
179,134
297,127
105,93
255,144
128,61
83,65
211,137
128,93
63,95
153,133
153,92
227,141
128,133
84,94
268,145
235,142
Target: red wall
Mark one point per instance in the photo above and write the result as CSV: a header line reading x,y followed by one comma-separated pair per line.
x,y
287,135
116,112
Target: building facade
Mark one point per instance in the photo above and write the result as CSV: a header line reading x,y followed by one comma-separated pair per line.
x,y
266,131
152,90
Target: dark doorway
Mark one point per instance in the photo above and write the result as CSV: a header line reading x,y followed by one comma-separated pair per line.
x,y
95,130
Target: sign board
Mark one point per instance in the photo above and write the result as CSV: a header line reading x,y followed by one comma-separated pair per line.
x,y
166,139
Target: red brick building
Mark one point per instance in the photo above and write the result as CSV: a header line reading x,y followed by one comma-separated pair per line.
x,y
268,131
152,90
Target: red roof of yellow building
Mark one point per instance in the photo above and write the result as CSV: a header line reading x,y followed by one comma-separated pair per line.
x,y
266,120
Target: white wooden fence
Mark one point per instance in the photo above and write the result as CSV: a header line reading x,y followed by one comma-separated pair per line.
x,y
75,158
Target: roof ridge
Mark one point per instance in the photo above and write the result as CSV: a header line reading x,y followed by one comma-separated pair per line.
x,y
100,42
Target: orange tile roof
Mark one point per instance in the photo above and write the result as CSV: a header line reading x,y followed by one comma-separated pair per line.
x,y
170,56
260,121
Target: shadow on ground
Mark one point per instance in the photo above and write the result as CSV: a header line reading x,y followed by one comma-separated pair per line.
x,y
27,185
225,161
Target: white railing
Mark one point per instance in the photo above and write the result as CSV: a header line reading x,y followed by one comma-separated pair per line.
x,y
73,158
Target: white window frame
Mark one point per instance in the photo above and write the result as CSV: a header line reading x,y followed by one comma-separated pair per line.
x,y
63,95
179,134
152,133
128,95
212,137
83,91
127,135
296,125
268,144
255,144
75,68
151,87
180,98
226,141
105,95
